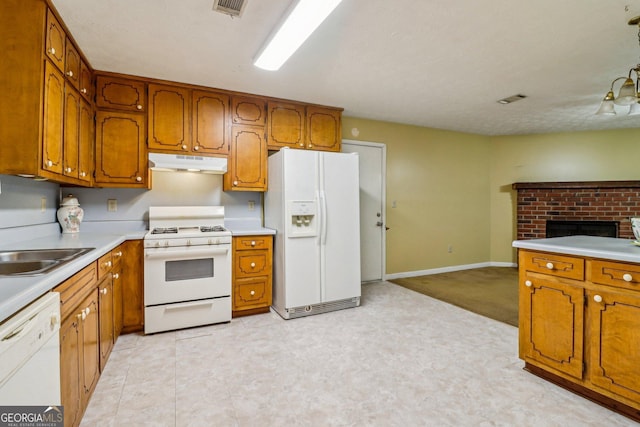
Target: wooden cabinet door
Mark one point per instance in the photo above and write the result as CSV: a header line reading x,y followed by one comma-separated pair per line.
x,y
85,143
117,301
52,136
71,369
210,111
248,111
121,156
286,125
72,65
105,318
71,146
248,162
324,131
90,346
133,286
169,118
551,325
55,41
614,320
120,94
86,82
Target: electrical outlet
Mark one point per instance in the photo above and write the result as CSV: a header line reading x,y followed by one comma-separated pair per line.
x,y
43,204
450,249
252,205
393,204
112,205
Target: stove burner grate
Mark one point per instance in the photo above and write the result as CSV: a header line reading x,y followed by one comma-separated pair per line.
x,y
210,228
165,230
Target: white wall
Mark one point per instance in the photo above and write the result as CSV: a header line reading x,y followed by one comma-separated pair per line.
x,y
21,201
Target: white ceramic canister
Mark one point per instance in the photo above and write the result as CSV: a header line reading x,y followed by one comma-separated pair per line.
x,y
70,214
635,227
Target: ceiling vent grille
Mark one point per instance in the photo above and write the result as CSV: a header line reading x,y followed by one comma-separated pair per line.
x,y
234,8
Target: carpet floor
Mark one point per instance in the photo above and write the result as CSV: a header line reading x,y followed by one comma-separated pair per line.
x,y
489,291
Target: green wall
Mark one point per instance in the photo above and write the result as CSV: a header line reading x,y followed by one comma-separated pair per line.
x,y
454,189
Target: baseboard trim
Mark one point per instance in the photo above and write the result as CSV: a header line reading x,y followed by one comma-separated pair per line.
x,y
447,269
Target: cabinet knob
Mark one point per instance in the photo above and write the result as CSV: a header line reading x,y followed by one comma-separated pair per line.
x,y
310,146
139,107
627,277
235,182
253,243
252,293
139,178
184,147
116,276
83,174
118,254
69,169
196,148
70,73
549,265
253,264
302,144
528,283
104,291
52,50
83,90
107,264
597,298
49,163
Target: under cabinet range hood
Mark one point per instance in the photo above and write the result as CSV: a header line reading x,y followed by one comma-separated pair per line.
x,y
182,163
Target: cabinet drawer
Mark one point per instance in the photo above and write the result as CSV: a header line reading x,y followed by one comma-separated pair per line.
x,y
104,265
252,242
116,256
74,289
251,293
620,275
252,263
553,264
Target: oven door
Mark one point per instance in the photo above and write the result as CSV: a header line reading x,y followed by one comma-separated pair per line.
x,y
177,274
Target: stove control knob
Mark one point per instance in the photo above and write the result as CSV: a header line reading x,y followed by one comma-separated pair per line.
x,y
166,243
210,242
157,244
188,242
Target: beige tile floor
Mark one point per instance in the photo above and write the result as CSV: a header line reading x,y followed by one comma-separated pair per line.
x,y
401,359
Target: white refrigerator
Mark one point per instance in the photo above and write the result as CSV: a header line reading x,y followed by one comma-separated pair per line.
x,y
312,202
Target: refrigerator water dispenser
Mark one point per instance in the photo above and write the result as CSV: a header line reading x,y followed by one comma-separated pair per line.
x,y
302,214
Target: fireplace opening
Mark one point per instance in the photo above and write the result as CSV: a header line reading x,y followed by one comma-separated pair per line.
x,y
582,228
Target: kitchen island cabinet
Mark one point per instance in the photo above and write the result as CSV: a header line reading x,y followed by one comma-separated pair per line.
x,y
580,316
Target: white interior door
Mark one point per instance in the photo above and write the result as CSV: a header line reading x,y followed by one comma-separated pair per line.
x,y
372,201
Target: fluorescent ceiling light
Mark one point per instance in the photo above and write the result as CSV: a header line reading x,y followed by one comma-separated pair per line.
x,y
302,20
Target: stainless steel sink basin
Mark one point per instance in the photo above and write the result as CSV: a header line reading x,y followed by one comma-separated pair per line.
x,y
36,261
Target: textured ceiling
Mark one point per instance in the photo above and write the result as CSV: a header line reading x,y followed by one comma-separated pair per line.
x,y
435,63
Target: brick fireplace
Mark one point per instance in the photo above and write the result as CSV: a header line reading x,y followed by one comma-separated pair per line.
x,y
591,201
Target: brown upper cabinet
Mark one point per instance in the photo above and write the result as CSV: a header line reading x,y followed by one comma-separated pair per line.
x,y
116,93
247,167
86,82
187,121
247,110
303,126
55,40
41,117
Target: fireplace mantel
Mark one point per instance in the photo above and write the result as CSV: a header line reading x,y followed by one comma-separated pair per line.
x,y
577,184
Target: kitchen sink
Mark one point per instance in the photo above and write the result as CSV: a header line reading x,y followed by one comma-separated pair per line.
x,y
36,261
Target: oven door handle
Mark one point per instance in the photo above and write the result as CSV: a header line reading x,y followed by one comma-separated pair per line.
x,y
183,252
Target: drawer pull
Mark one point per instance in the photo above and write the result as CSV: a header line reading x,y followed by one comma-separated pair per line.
x,y
597,298
139,107
253,264
550,265
627,277
104,291
528,283
252,293
118,254
253,243
116,276
52,51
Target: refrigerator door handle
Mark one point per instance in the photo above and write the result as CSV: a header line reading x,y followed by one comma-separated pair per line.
x,y
323,218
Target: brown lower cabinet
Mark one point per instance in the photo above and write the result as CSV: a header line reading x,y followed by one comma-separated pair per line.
x,y
92,309
579,323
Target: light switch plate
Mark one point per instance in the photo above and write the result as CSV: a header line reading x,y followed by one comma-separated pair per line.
x,y
112,205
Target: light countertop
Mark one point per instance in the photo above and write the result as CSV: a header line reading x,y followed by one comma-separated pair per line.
x,y
587,246
246,227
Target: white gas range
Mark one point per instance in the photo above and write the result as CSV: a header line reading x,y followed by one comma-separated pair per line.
x,y
187,268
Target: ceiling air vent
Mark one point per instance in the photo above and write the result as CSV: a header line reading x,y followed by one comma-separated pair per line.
x,y
511,99
232,8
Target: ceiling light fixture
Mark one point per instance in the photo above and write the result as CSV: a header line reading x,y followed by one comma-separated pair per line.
x,y
628,93
301,19
511,99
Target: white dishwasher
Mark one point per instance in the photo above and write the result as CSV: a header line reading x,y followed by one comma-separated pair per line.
x,y
30,354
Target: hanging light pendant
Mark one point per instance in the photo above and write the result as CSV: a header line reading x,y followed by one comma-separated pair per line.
x,y
628,93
